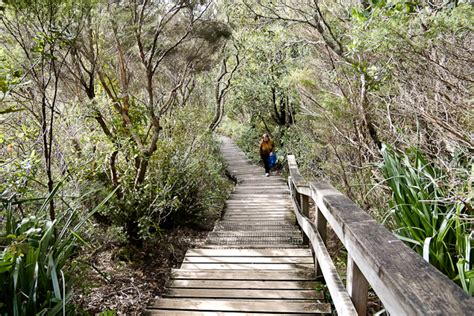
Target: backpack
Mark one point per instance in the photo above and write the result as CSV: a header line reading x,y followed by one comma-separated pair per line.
x,y
272,159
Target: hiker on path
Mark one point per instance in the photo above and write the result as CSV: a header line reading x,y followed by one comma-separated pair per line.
x,y
266,150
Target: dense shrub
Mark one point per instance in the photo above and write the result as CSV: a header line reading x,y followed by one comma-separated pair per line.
x,y
185,184
248,140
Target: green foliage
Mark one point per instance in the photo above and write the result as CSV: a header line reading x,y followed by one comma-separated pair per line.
x,y
35,257
248,141
264,80
32,266
430,216
17,175
185,184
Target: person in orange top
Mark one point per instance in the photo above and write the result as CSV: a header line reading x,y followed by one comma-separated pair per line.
x,y
266,148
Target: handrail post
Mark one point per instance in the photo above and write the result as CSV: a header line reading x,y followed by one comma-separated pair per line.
x,y
357,286
294,194
304,202
321,225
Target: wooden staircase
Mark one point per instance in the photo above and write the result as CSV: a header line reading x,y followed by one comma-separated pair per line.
x,y
254,260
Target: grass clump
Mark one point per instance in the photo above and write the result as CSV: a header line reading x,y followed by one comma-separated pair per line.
x,y
431,213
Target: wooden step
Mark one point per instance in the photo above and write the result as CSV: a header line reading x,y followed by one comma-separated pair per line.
x,y
250,253
249,260
253,306
255,274
244,294
231,284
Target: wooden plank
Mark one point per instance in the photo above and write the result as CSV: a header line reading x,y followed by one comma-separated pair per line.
x,y
245,294
241,245
357,286
259,212
250,252
339,295
247,266
270,215
191,313
257,222
306,260
259,195
255,200
258,204
245,284
281,275
287,218
255,306
258,209
262,185
277,188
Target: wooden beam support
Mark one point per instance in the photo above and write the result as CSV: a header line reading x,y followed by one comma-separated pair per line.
x,y
357,287
304,203
321,226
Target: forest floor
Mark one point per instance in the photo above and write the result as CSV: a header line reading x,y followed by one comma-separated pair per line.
x,y
124,280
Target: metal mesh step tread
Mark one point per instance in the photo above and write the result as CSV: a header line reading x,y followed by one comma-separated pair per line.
x,y
247,227
259,234
255,240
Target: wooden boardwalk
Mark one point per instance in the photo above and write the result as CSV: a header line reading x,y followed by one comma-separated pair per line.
x,y
253,260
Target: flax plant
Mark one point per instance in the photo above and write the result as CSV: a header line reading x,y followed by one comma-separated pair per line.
x,y
429,214
36,252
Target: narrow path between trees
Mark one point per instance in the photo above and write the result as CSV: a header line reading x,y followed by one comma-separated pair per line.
x,y
253,260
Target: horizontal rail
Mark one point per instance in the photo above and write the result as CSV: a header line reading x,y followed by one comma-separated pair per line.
x,y
340,296
405,283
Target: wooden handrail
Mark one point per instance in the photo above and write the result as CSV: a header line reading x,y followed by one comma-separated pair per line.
x,y
405,283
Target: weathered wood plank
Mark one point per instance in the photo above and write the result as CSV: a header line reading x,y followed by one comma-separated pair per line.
x,y
259,275
244,294
245,284
242,245
258,209
258,212
259,217
250,252
191,313
254,306
305,260
247,266
266,195
357,286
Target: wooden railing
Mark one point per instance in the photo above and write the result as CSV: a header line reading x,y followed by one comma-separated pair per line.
x,y
404,282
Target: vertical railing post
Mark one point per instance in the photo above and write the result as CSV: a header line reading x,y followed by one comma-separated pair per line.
x,y
321,225
304,202
294,194
357,287
297,201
